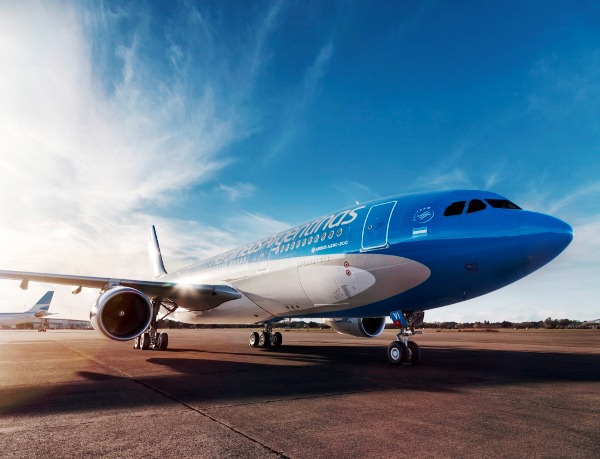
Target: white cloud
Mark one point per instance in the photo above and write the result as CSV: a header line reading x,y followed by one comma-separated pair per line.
x,y
451,177
587,192
84,168
562,88
267,26
248,225
305,97
356,191
237,190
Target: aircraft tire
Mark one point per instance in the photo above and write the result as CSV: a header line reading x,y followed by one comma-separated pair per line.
x,y
145,341
163,341
264,340
254,339
395,352
276,339
136,342
416,352
405,352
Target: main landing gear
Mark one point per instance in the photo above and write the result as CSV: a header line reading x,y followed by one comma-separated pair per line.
x,y
403,350
151,338
266,338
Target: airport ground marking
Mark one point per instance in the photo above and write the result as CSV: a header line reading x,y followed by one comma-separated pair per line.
x,y
175,399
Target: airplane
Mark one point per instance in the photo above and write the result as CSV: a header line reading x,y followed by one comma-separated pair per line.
x,y
38,311
395,257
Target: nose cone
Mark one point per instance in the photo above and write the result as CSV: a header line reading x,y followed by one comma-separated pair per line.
x,y
543,237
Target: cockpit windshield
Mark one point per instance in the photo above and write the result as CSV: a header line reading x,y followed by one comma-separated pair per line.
x,y
477,205
502,204
456,208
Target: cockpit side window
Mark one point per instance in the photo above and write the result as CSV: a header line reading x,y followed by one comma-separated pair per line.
x,y
475,206
502,204
456,208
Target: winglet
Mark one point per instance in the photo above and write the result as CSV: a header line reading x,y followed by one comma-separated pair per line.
x,y
156,263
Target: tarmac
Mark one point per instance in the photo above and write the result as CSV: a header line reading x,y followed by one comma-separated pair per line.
x,y
321,395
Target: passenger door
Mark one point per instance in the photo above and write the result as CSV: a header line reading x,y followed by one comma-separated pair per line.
x,y
375,229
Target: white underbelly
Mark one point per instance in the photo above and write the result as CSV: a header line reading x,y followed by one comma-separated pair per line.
x,y
309,285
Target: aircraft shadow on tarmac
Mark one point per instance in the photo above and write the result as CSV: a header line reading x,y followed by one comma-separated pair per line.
x,y
295,372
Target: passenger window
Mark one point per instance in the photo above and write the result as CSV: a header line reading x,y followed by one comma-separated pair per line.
x,y
475,206
339,232
330,234
456,208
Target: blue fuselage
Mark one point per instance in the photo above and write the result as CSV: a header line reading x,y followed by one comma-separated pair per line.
x,y
411,252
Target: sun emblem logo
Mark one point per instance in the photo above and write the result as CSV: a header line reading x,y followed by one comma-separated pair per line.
x,y
423,215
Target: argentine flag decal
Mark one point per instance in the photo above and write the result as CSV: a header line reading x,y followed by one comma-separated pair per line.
x,y
419,232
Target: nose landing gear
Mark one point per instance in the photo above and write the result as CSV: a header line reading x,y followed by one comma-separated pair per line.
x,y
403,350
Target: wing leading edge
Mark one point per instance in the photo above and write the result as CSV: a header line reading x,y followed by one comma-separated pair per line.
x,y
199,297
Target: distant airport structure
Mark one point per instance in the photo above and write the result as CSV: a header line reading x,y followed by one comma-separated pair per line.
x,y
52,324
591,324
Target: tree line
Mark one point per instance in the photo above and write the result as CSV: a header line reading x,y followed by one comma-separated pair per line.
x,y
549,323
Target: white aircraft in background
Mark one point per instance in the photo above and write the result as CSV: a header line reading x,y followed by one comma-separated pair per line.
x,y
38,311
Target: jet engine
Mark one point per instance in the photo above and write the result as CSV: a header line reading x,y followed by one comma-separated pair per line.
x,y
368,327
121,313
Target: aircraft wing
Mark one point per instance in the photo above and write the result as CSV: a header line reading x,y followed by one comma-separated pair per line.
x,y
199,297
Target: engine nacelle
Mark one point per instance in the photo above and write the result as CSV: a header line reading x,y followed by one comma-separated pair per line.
x,y
368,327
121,313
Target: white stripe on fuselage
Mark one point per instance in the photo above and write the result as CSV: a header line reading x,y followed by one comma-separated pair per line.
x,y
293,287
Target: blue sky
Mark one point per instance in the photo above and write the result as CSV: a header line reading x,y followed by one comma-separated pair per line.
x,y
222,122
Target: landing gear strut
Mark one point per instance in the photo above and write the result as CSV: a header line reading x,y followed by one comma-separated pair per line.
x,y
151,339
266,338
43,326
403,350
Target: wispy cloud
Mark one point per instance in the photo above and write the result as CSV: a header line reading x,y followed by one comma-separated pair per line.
x,y
305,97
66,143
561,88
589,192
313,76
237,190
267,26
356,191
454,177
85,165
250,224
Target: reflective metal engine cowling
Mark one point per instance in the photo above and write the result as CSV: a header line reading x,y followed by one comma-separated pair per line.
x,y
367,327
121,313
